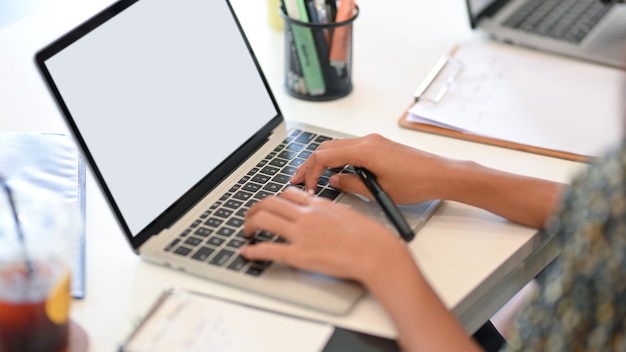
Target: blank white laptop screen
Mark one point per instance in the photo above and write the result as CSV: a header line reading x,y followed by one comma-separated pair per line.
x,y
144,102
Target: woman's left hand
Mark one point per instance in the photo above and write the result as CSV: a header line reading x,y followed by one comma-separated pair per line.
x,y
322,236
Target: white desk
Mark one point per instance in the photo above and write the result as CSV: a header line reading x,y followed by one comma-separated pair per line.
x,y
475,260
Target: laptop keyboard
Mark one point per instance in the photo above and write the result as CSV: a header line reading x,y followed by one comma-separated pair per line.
x,y
568,20
217,234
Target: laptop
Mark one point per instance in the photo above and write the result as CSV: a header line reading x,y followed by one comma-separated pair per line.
x,y
180,128
590,30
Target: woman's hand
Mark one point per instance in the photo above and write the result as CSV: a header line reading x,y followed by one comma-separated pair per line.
x,y
322,236
407,174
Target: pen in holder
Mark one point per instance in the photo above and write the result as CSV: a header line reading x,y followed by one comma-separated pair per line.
x,y
318,53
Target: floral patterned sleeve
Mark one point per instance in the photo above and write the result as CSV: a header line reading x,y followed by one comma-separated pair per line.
x,y
581,305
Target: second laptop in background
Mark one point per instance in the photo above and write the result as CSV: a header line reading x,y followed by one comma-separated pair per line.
x,y
585,29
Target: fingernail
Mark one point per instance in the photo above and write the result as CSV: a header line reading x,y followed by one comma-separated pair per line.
x,y
334,181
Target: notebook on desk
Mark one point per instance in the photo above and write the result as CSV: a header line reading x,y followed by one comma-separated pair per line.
x,y
181,129
586,29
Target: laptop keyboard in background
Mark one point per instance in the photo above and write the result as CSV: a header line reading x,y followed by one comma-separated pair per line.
x,y
217,234
569,20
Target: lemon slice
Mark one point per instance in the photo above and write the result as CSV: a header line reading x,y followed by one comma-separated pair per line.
x,y
58,303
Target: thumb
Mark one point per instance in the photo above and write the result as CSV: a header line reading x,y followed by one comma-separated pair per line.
x,y
349,183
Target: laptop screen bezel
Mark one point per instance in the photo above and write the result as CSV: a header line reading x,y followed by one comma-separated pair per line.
x,y
179,207
489,11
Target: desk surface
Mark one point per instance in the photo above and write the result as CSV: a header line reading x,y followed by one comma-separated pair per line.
x,y
473,259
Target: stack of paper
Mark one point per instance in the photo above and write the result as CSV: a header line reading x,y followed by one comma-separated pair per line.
x,y
530,98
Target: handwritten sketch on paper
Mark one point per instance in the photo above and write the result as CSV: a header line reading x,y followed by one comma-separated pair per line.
x,y
530,98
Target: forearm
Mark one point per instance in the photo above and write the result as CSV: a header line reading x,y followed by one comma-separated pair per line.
x,y
525,200
422,321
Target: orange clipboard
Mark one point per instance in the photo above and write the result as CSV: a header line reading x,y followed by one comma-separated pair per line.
x,y
443,67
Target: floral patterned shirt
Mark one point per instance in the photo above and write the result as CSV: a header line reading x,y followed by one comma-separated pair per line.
x,y
581,305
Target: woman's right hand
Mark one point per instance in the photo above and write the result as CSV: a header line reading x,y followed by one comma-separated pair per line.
x,y
407,174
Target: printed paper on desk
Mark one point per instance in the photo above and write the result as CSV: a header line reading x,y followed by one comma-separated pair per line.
x,y
193,322
531,98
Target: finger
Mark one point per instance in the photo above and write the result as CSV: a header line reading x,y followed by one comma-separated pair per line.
x,y
313,167
297,196
278,205
275,222
330,158
349,183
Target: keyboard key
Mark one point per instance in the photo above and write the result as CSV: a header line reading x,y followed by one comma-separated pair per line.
x,y
235,243
282,179
322,139
261,178
254,271
215,241
238,263
329,193
213,222
279,163
253,187
244,180
202,254
269,170
171,245
241,195
222,257
312,146
296,162
305,137
251,202
235,222
233,204
223,212
289,170
287,154
203,232
273,187
242,212
295,147
193,241
265,236
262,194
182,251
225,231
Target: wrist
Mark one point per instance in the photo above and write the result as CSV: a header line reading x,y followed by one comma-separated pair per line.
x,y
388,268
452,180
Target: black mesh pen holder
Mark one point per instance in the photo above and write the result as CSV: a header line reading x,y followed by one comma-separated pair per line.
x,y
318,58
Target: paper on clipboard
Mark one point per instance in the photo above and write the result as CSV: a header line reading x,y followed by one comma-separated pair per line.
x,y
194,322
529,98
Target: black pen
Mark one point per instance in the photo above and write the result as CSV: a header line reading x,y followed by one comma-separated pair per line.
x,y
391,210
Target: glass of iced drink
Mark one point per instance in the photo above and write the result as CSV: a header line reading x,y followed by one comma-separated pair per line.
x,y
37,230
